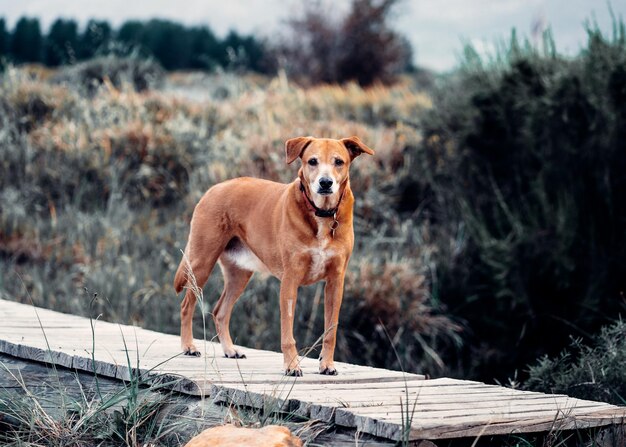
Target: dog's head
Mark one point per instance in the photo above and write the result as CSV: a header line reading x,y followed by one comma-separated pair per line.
x,y
325,165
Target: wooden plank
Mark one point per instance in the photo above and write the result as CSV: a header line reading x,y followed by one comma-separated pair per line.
x,y
394,395
513,410
417,388
426,405
37,354
531,424
422,385
474,425
310,375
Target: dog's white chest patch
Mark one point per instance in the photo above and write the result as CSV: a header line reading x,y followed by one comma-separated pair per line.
x,y
245,259
320,256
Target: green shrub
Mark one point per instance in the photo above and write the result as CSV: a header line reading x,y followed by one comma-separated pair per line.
x,y
525,158
596,372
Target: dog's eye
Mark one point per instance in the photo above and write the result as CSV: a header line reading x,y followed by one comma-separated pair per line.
x,y
339,162
313,162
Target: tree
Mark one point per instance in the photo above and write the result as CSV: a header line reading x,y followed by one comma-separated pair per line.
x,y
310,49
4,40
168,42
359,47
26,41
206,50
242,52
61,43
370,50
131,32
97,35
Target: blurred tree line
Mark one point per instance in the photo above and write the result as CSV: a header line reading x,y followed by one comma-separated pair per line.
x,y
315,47
173,45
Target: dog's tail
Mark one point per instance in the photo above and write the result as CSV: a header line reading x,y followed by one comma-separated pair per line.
x,y
180,280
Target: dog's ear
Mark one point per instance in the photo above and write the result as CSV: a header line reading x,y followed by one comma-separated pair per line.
x,y
295,146
356,147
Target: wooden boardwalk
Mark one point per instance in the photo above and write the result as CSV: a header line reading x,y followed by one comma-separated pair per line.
x,y
370,400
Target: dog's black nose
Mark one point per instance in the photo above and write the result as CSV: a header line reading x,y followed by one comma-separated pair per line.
x,y
326,183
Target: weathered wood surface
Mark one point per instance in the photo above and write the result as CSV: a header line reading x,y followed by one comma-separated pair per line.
x,y
371,400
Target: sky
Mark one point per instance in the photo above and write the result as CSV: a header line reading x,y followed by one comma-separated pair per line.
x,y
437,29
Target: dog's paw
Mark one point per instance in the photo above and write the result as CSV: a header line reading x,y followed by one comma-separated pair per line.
x,y
328,372
327,367
296,372
192,351
234,355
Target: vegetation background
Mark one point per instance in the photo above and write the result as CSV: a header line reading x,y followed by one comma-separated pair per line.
x,y
490,225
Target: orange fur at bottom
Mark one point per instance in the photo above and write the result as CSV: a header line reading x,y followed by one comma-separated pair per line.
x,y
230,436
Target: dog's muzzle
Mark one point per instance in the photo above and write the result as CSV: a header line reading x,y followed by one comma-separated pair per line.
x,y
325,186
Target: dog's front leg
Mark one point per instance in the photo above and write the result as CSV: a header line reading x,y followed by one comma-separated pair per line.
x,y
288,297
333,294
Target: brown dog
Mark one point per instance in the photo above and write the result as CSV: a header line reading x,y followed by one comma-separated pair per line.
x,y
299,232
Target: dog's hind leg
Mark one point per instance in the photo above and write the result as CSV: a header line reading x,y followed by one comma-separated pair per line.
x,y
187,307
202,252
198,272
235,281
